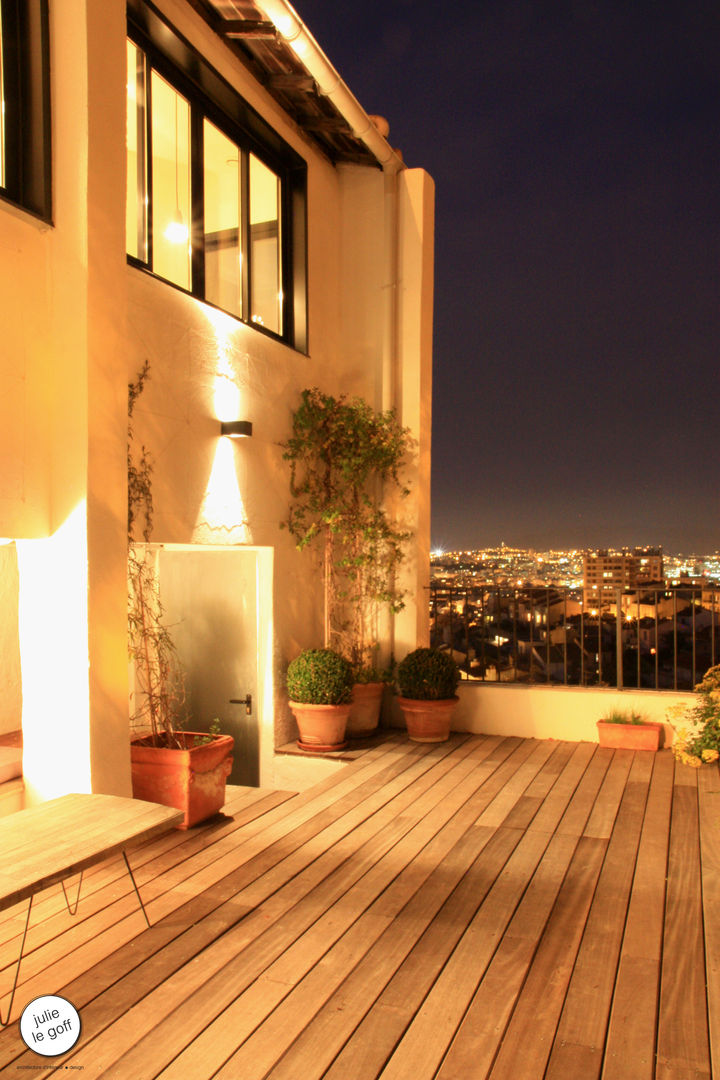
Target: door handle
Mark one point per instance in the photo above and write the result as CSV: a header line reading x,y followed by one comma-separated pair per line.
x,y
246,701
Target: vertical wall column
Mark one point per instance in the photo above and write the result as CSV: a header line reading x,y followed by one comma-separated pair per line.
x,y
415,259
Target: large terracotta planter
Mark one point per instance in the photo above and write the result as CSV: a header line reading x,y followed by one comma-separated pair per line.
x,y
365,711
630,736
321,727
191,779
428,721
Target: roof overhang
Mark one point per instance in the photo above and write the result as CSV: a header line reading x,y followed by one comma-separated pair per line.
x,y
275,45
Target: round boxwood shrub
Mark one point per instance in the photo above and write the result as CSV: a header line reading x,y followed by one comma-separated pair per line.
x,y
428,675
320,677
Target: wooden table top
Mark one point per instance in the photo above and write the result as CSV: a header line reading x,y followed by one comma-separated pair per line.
x,y
46,843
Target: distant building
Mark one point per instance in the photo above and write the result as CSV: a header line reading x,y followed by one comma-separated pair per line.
x,y
605,571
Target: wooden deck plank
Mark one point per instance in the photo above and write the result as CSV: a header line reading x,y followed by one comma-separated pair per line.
x,y
314,936
375,898
122,930
371,1045
475,1044
683,1045
283,932
584,1019
630,1044
280,831
425,1042
483,1026
527,1040
709,821
316,1045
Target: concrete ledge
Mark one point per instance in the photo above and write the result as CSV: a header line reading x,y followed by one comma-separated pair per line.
x,y
554,712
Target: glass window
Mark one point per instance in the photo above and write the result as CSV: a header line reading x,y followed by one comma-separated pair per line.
x,y
265,248
25,101
208,185
222,167
136,203
170,127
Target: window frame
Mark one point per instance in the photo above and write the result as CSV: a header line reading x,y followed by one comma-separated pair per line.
x,y
27,127
211,97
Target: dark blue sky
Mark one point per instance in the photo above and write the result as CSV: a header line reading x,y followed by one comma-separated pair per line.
x,y
574,148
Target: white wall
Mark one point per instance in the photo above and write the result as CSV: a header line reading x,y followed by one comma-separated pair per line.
x,y
10,682
78,323
548,712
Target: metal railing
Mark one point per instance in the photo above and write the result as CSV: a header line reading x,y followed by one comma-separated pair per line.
x,y
646,638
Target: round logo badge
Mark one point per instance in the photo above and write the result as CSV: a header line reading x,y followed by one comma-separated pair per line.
x,y
50,1025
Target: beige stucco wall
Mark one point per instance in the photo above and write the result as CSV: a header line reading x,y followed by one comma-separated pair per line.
x,y
62,418
78,323
10,680
547,712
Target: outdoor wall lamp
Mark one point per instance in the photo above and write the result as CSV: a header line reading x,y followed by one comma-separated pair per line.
x,y
236,429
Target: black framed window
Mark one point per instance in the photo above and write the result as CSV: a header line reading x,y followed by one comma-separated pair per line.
x,y
25,101
215,198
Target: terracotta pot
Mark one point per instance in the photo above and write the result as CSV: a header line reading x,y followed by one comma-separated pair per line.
x,y
630,736
321,727
428,721
365,711
191,779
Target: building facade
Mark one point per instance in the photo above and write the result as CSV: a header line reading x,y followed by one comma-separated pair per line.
x,y
606,571
197,192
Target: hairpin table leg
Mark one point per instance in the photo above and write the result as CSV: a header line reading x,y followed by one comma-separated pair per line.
x,y
6,1021
137,891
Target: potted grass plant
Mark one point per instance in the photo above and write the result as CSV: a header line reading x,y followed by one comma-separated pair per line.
x,y
345,462
320,684
628,730
427,680
169,765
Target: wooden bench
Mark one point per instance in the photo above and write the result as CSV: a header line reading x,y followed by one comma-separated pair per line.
x,y
48,843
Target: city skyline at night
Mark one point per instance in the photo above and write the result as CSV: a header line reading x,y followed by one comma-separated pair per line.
x,y
575,159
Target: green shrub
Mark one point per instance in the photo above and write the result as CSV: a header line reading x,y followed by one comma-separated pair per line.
x,y
428,675
320,677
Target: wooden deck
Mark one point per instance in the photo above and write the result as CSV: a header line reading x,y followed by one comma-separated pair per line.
x,y
512,909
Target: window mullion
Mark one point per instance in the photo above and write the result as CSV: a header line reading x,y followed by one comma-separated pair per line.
x,y
245,232
197,189
141,96
150,216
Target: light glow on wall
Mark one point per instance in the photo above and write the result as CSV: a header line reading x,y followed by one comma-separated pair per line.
x,y
222,518
54,660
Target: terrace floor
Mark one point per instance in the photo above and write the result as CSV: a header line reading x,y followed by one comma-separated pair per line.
x,y
486,907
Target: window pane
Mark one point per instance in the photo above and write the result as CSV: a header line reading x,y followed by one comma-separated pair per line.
x,y
136,197
265,266
223,246
170,183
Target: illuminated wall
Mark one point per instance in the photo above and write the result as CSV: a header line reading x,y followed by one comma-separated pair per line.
x,y
79,323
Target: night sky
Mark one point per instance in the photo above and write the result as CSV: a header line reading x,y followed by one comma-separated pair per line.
x,y
574,148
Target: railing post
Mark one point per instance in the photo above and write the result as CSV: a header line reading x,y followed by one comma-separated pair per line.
x,y
618,639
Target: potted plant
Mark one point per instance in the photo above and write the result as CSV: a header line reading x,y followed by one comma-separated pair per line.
x,y
427,680
184,769
628,730
345,461
319,684
697,727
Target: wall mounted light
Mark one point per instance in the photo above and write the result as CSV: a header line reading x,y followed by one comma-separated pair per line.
x,y
236,429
